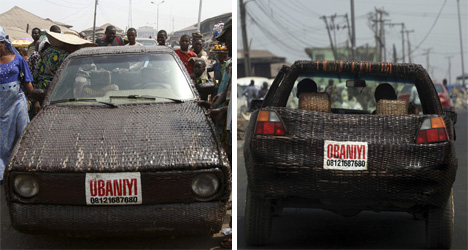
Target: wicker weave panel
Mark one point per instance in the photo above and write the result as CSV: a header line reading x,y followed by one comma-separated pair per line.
x,y
128,138
194,218
398,169
391,107
317,101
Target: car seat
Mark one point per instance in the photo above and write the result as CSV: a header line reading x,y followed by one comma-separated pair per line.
x,y
315,101
391,107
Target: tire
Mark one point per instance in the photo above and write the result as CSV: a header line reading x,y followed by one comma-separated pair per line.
x,y
440,225
257,224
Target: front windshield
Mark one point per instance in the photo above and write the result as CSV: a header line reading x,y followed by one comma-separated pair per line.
x,y
103,77
359,99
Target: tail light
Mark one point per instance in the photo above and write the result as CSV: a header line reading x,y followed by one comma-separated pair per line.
x,y
269,123
432,130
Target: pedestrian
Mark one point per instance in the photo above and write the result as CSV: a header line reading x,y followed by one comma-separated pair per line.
x,y
219,66
45,42
251,92
162,37
203,85
201,54
414,98
110,39
15,78
131,36
35,34
62,45
225,113
185,54
263,91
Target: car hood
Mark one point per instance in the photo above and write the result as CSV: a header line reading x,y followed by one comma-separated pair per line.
x,y
163,136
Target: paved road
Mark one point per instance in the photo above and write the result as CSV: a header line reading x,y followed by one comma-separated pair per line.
x,y
318,229
11,239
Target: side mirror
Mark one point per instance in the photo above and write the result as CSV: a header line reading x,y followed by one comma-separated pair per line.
x,y
452,115
255,104
355,83
38,95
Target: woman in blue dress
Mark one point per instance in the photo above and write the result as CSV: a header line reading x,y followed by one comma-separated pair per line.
x,y
14,78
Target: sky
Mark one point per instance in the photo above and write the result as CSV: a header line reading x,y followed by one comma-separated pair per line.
x,y
287,27
173,14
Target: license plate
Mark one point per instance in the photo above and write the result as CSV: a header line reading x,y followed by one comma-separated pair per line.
x,y
345,155
113,188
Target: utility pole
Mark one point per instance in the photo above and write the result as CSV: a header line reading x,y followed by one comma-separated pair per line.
x,y
129,14
353,36
94,24
394,54
427,53
409,45
199,15
244,39
380,34
402,38
461,44
449,68
329,36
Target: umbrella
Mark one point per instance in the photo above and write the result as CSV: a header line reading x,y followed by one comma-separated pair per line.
x,y
22,42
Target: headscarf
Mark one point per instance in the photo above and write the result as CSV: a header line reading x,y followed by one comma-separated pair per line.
x,y
8,44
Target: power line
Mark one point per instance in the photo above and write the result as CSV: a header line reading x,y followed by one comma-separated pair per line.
x,y
430,30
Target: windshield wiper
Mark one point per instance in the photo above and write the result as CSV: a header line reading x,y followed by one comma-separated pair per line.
x,y
83,100
147,98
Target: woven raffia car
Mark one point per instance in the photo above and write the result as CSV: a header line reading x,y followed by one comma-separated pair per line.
x,y
338,148
121,147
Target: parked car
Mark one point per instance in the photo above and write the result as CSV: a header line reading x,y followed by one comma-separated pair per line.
x,y
444,96
121,147
147,41
349,158
442,92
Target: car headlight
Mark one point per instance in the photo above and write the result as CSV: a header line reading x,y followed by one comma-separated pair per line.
x,y
26,186
205,185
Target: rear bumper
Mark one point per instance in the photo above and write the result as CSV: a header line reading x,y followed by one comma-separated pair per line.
x,y
203,218
420,174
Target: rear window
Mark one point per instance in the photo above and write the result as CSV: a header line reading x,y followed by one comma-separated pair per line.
x,y
358,99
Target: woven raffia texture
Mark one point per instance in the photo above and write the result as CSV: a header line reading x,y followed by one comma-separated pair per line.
x,y
168,143
398,169
168,219
319,101
391,107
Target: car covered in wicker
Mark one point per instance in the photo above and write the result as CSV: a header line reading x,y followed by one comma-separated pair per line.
x,y
333,135
121,147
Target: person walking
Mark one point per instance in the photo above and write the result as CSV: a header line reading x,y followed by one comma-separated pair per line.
x,y
251,92
14,78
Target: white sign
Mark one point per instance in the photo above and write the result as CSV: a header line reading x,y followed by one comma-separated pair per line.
x,y
113,188
345,155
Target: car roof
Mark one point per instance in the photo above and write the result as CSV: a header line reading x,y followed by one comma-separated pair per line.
x,y
91,51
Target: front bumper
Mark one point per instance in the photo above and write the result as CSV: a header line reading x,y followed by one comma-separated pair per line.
x,y
202,218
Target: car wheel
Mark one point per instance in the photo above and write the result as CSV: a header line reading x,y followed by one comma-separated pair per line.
x,y
440,225
257,224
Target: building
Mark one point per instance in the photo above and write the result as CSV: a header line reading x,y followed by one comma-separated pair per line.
x,y
147,32
263,63
206,28
19,23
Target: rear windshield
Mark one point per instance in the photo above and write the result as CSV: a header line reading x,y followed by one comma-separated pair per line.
x,y
360,99
102,76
